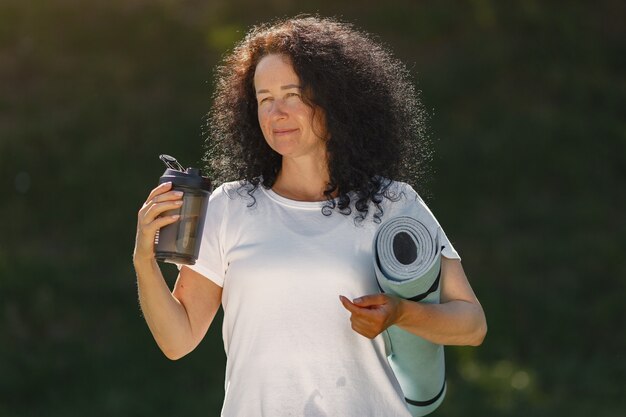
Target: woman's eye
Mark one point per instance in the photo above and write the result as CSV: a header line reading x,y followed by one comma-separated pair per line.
x,y
264,100
292,95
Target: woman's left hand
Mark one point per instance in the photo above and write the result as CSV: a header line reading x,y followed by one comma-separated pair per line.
x,y
372,314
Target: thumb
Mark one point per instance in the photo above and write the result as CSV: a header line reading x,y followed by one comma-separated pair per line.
x,y
370,300
348,305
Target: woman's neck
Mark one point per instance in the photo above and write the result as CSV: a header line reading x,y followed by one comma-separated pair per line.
x,y
303,180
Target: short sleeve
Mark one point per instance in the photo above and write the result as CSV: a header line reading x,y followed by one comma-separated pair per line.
x,y
411,204
211,261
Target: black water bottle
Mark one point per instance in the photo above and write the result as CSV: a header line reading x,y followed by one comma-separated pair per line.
x,y
179,242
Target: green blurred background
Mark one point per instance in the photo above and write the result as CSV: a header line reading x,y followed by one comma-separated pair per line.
x,y
528,183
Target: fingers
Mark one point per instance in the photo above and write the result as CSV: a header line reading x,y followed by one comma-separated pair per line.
x,y
364,303
149,213
160,209
370,314
365,330
370,300
162,197
159,190
167,196
144,243
360,323
160,200
155,224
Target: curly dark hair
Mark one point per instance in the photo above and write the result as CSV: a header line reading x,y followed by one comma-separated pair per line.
x,y
375,120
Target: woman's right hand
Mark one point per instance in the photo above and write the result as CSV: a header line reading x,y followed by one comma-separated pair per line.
x,y
161,199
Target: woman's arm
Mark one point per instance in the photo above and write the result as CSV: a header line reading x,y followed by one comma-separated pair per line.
x,y
179,319
458,320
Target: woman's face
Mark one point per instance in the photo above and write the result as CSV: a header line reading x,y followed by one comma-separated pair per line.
x,y
290,127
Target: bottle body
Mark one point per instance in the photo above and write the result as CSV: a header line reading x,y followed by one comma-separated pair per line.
x,y
179,242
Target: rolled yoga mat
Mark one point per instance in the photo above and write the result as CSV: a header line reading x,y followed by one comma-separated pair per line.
x,y
408,265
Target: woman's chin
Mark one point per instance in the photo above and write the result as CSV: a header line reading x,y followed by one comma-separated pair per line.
x,y
285,148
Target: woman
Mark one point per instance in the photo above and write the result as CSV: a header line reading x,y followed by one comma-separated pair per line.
x,y
315,119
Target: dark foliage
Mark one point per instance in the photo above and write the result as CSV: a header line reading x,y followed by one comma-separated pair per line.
x,y
529,169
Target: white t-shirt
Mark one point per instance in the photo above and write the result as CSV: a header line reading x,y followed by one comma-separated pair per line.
x,y
289,344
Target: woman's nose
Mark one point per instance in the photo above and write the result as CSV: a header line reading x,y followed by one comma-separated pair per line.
x,y
278,109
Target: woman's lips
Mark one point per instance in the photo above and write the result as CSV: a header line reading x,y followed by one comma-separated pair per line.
x,y
281,132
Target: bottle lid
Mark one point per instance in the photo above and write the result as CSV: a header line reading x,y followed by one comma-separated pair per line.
x,y
177,175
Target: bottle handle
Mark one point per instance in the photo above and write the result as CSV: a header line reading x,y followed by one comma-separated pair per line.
x,y
171,162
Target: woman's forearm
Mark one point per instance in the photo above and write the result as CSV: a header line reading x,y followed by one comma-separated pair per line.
x,y
455,322
166,316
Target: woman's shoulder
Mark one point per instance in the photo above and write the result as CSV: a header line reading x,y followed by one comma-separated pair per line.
x,y
229,187
232,190
397,191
